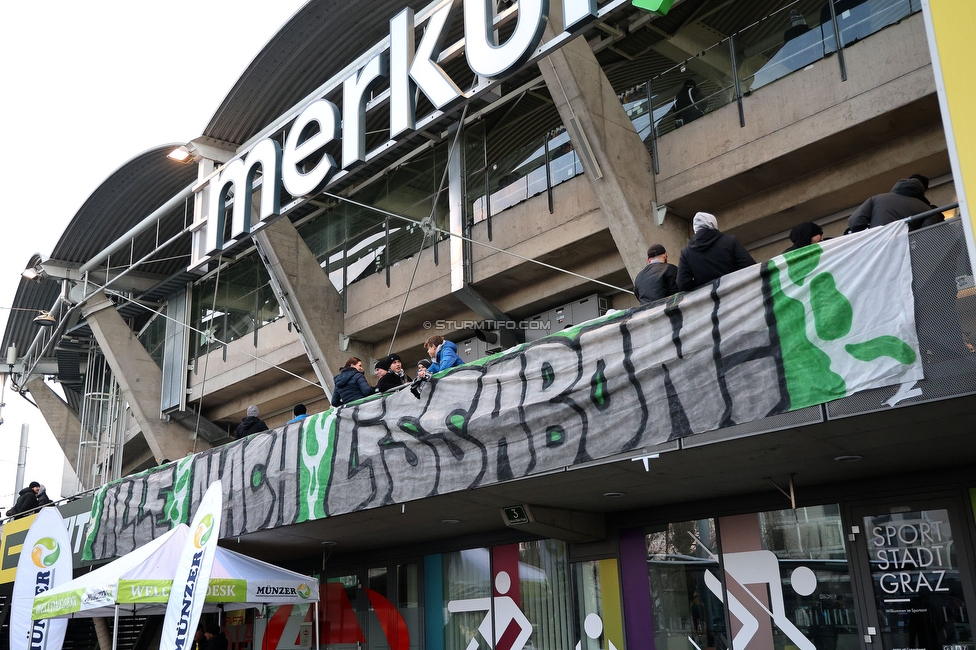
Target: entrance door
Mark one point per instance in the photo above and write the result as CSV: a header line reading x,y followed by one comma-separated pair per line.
x,y
916,576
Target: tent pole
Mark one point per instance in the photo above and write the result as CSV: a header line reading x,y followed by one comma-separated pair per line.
x,y
115,629
317,640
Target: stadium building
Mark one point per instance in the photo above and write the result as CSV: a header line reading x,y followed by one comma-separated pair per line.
x,y
713,471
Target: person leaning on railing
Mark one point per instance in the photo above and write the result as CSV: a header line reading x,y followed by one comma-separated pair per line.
x,y
905,199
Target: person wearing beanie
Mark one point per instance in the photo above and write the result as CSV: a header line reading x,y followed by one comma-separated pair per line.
x,y
423,366
250,424
394,375
658,279
26,499
710,254
804,235
300,413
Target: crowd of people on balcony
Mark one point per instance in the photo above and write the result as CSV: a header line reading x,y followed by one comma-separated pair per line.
x,y
710,253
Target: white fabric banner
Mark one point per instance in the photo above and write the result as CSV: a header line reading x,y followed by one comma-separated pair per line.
x,y
192,579
45,562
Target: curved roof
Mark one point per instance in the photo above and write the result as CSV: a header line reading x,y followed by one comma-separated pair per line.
x,y
319,41
131,193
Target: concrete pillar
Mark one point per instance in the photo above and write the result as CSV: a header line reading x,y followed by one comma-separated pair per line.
x,y
309,299
63,422
140,378
622,177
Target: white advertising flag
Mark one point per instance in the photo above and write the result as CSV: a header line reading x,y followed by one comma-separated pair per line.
x,y
45,562
192,578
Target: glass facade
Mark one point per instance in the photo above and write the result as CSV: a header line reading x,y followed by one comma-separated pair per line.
x,y
780,578
153,338
232,304
352,242
759,52
682,565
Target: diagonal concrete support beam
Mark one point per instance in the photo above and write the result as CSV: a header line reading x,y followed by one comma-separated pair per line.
x,y
309,299
619,167
140,378
64,422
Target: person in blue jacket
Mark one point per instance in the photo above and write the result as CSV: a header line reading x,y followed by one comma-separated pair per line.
x,y
300,413
350,383
444,353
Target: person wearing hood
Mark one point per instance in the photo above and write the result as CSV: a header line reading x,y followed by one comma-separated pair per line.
x,y
805,234
900,203
443,353
42,498
26,499
394,375
214,637
250,424
350,383
710,254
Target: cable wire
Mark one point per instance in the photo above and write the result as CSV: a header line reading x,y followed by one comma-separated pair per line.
x,y
475,241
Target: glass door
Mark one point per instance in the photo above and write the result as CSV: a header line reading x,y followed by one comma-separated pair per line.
x,y
915,574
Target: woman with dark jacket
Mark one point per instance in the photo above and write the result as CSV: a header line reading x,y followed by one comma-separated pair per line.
x,y
350,383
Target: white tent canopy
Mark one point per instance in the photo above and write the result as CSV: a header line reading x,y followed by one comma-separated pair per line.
x,y
140,581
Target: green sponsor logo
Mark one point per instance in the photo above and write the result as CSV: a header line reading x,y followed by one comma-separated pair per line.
x,y
45,553
657,6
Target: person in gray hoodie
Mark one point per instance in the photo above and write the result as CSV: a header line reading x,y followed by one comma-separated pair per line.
x,y
901,202
710,254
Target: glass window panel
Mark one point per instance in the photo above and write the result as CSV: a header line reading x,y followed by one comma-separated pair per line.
x,y
408,600
377,583
353,239
232,304
787,40
598,624
917,583
466,577
814,576
153,337
686,612
484,602
545,593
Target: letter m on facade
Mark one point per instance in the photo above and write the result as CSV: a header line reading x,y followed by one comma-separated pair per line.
x,y
241,175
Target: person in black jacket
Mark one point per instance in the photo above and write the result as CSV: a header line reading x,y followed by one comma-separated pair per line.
x,y
215,639
710,254
251,423
658,279
689,104
350,383
394,376
805,234
26,499
901,202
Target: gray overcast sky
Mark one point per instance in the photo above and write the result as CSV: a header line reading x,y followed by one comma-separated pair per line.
x,y
86,86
